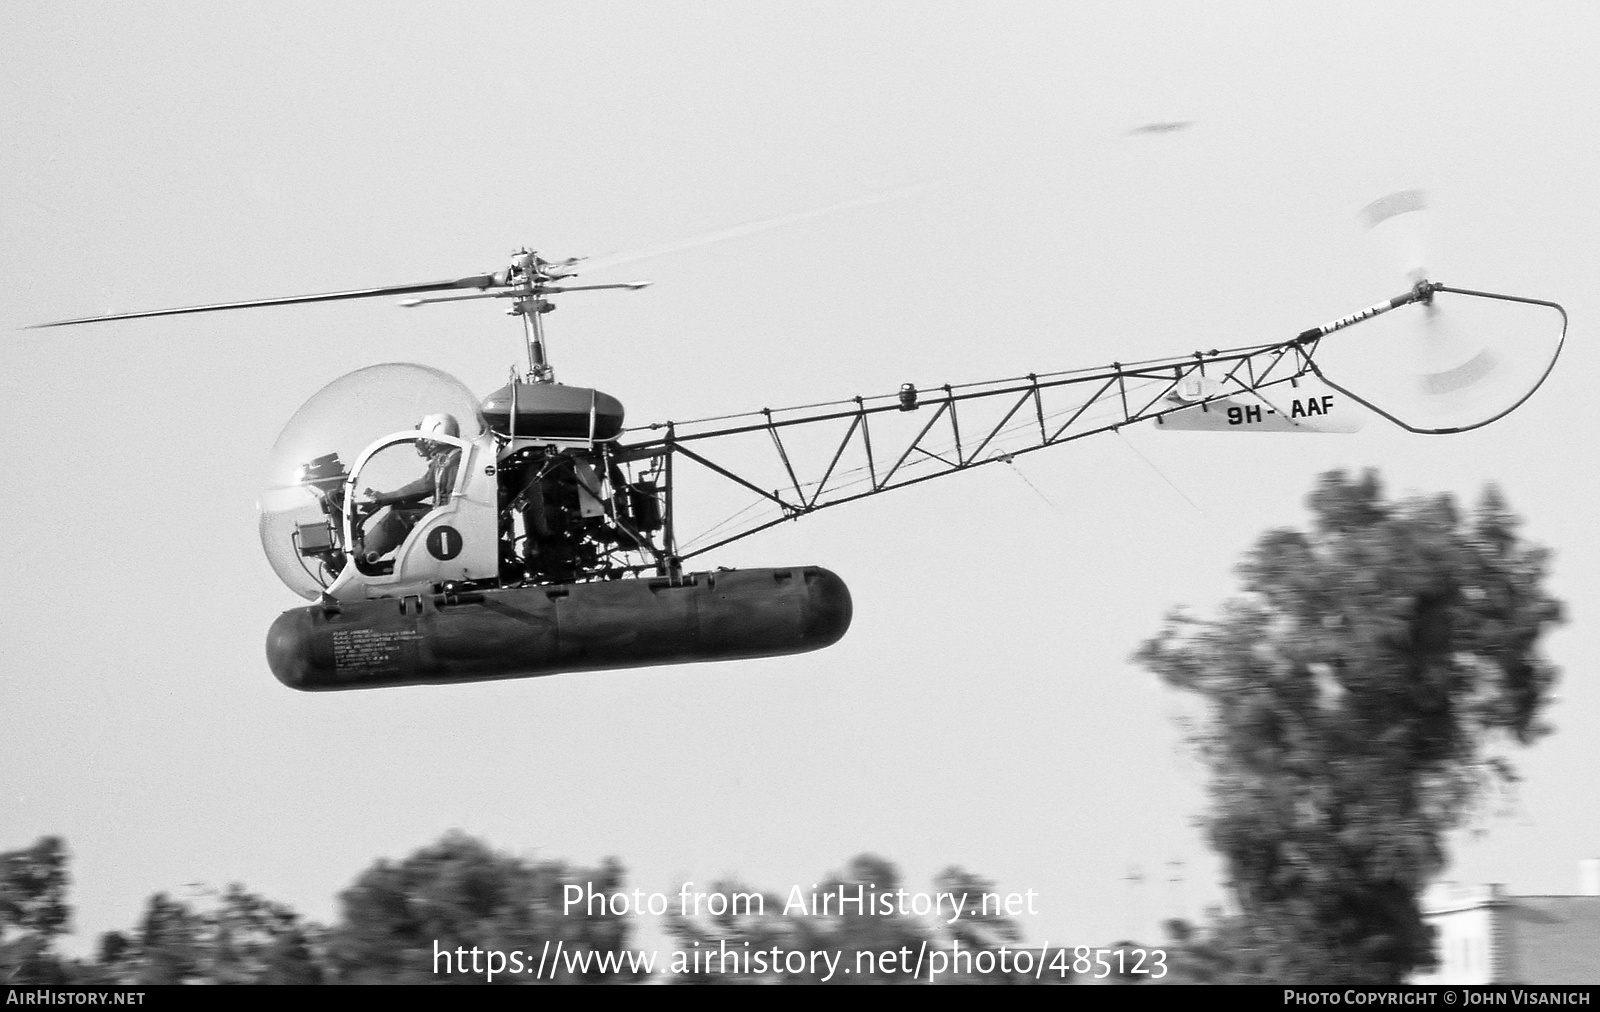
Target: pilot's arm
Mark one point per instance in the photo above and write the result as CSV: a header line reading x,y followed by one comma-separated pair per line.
x,y
422,488
435,485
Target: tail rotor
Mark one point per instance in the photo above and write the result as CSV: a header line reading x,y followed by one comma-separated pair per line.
x,y
1449,359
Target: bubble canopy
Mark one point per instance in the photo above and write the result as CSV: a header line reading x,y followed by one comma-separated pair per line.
x,y
343,419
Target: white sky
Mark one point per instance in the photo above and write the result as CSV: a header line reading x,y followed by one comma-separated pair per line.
x,y
982,710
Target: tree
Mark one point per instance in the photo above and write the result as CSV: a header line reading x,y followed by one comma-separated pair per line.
x,y
252,940
876,929
460,894
33,911
747,921
875,935
1359,692
237,937
980,927
171,946
852,919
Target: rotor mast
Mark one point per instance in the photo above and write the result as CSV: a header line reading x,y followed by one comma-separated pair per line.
x,y
531,278
528,302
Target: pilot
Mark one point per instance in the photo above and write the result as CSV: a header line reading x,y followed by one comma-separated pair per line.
x,y
386,529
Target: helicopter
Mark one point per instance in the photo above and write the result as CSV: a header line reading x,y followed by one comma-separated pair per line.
x,y
441,538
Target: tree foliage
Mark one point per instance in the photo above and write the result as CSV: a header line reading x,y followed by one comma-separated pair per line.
x,y
240,938
855,935
799,922
237,937
461,894
33,911
422,919
1359,692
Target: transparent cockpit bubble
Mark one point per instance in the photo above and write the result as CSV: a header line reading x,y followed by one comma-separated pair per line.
x,y
1459,362
302,487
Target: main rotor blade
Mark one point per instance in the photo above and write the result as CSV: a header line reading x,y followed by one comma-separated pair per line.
x,y
475,281
609,260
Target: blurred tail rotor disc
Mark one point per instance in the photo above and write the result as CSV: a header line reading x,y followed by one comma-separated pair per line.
x,y
1457,360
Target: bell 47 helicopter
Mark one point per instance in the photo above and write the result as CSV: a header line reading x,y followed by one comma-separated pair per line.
x,y
442,539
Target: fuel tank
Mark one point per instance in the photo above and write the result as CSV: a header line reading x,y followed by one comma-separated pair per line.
x,y
553,411
526,631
